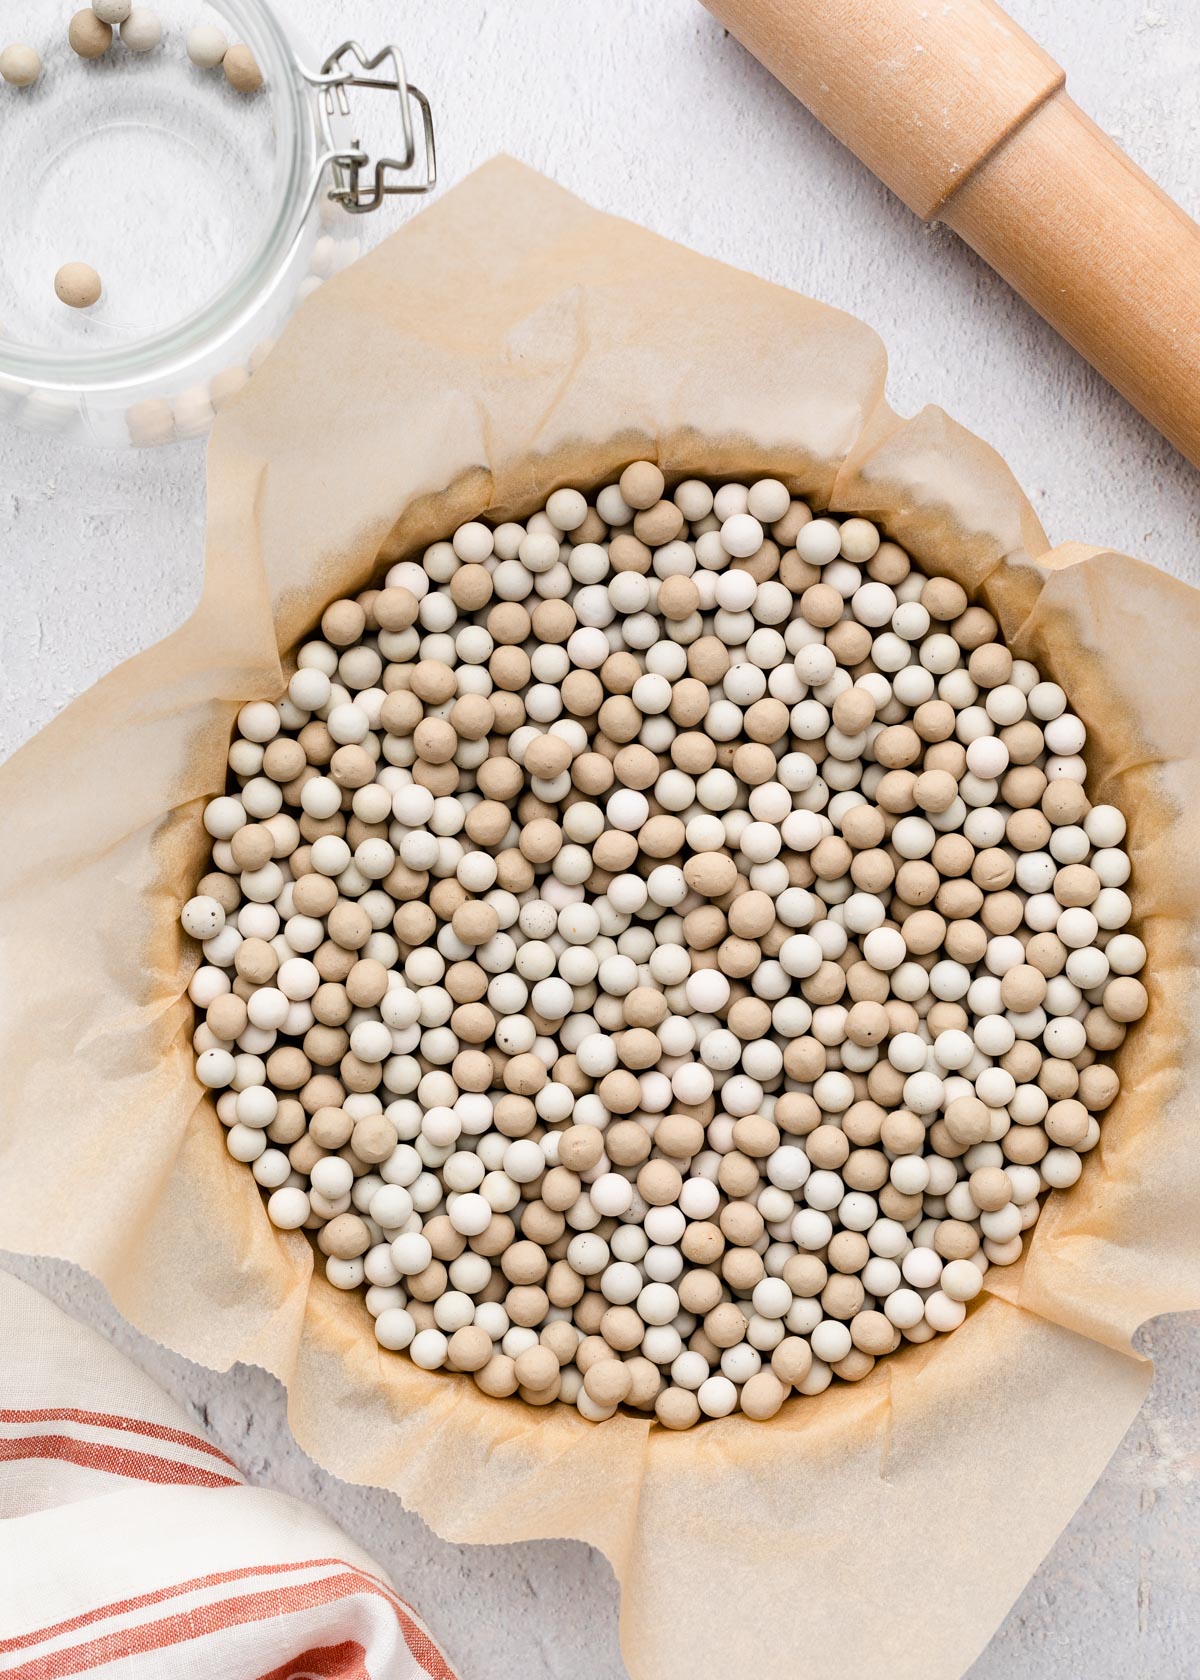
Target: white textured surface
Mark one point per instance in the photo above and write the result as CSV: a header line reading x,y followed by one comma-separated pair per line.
x,y
645,108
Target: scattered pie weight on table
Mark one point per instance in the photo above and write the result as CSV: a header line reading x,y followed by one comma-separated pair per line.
x,y
663,950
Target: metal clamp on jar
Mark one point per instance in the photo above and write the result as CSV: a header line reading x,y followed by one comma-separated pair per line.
x,y
350,163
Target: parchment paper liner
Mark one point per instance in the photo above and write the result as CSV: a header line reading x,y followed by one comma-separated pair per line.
x,y
508,341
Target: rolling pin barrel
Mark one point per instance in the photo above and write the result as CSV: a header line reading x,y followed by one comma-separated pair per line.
x,y
967,120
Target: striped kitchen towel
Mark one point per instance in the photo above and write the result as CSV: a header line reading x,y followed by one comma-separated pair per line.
x,y
131,1548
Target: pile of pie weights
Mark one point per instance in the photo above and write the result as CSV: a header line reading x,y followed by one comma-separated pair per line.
x,y
662,950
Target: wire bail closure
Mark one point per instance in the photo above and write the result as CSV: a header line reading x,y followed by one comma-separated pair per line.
x,y
356,187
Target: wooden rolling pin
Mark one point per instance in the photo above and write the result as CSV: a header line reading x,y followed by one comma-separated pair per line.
x,y
967,120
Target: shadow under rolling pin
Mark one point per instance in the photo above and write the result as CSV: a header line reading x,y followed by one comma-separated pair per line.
x,y
967,120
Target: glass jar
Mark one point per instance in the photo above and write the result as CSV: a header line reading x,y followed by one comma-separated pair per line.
x,y
207,213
